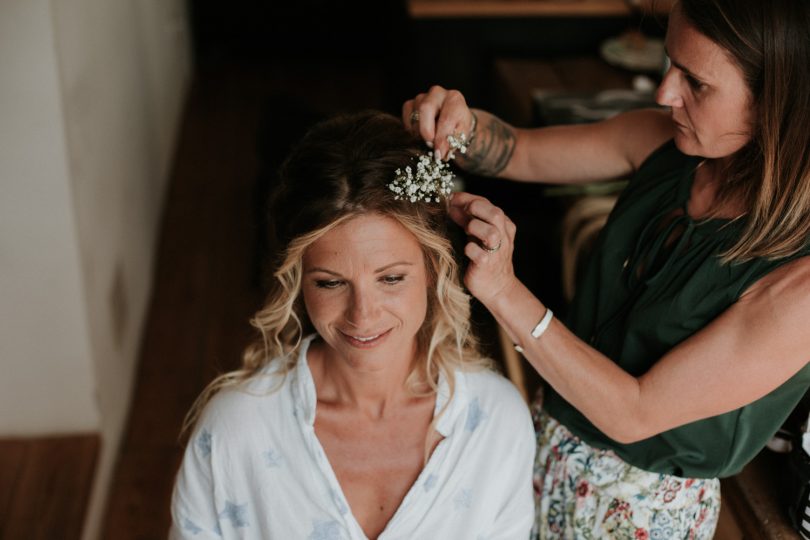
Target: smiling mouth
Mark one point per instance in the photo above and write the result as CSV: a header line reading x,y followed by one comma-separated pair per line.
x,y
372,338
364,342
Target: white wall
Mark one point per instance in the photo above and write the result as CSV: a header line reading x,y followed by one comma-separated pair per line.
x,y
95,90
46,375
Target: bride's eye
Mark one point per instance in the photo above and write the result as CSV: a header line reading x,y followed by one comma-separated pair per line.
x,y
328,283
393,280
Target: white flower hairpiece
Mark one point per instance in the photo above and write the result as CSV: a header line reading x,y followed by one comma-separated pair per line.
x,y
459,143
431,179
462,142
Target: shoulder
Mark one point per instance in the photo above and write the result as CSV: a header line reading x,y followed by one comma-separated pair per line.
x,y
771,315
497,396
642,132
496,423
258,397
489,383
789,284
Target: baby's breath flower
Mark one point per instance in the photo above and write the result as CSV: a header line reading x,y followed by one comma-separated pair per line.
x,y
431,179
459,143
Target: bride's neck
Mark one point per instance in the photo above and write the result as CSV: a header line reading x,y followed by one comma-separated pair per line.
x,y
372,388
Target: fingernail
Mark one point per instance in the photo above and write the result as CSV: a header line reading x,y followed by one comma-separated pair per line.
x,y
437,154
429,144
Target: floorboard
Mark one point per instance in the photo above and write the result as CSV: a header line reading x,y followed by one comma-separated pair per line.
x,y
45,485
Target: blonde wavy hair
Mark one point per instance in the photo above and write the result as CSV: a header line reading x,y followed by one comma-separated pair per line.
x,y
339,171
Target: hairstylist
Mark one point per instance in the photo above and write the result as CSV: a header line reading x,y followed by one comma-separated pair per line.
x,y
686,345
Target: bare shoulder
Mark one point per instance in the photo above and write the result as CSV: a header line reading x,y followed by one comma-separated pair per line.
x,y
770,321
640,133
774,311
789,285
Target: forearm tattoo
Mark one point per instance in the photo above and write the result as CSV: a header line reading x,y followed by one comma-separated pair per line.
x,y
491,149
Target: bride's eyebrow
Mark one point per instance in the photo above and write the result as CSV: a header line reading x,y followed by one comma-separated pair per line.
x,y
387,266
378,270
323,270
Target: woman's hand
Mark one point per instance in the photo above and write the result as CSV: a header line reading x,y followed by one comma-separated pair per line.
x,y
435,115
492,234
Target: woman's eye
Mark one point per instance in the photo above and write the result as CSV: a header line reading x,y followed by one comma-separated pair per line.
x,y
694,83
328,283
392,280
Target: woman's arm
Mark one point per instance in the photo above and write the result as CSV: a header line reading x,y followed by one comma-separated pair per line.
x,y
558,154
745,353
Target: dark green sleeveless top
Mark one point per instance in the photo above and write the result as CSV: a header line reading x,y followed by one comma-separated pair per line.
x,y
642,294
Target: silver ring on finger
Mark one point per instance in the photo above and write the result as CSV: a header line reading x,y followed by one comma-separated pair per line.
x,y
414,117
492,249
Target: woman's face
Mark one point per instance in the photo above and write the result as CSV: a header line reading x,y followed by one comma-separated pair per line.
x,y
711,105
365,289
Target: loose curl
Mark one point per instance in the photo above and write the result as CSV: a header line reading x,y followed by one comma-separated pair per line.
x,y
339,171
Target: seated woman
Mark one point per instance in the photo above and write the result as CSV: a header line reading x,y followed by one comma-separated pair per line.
x,y
365,410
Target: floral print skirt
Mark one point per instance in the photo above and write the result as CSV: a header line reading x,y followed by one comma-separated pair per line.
x,y
586,493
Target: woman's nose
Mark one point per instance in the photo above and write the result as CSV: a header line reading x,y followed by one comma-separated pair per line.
x,y
668,93
363,306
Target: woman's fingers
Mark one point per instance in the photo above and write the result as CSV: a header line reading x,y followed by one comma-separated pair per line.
x,y
419,114
475,253
458,213
407,108
466,206
492,236
461,199
435,115
483,221
452,120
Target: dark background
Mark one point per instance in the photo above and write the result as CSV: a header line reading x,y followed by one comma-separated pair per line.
x,y
410,55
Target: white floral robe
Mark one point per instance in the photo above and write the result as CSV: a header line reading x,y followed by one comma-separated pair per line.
x,y
254,468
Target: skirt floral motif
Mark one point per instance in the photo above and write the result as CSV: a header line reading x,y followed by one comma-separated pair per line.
x,y
584,493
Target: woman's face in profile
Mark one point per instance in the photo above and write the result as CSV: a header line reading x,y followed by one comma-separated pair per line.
x,y
711,105
365,289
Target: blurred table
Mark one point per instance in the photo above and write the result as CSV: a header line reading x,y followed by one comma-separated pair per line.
x,y
517,78
421,9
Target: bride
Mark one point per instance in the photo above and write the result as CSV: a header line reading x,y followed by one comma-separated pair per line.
x,y
365,409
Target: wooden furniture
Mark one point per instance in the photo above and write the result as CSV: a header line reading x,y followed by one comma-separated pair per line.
x,y
750,503
516,79
423,9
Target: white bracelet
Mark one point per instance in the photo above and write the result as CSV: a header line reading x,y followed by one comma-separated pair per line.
x,y
540,328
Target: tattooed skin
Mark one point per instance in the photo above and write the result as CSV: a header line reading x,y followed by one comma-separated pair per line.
x,y
491,149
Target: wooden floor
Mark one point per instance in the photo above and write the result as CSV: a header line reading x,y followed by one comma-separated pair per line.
x,y
45,485
207,281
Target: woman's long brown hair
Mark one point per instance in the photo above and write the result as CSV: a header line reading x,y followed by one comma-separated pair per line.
x,y
769,41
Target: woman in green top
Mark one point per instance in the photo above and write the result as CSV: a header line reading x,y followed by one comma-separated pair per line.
x,y
686,346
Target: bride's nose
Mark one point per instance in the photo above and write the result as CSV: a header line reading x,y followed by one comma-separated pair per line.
x,y
364,305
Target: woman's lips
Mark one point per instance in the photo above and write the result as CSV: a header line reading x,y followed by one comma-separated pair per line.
x,y
365,341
